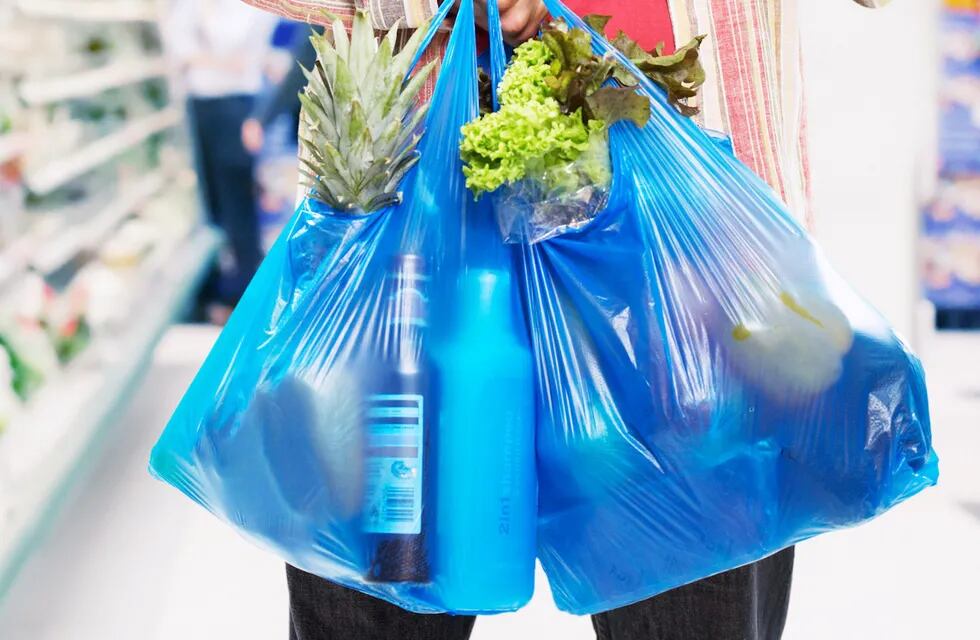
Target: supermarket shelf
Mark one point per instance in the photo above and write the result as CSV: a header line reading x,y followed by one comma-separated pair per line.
x,y
91,10
87,83
47,252
12,145
57,251
100,151
14,259
50,446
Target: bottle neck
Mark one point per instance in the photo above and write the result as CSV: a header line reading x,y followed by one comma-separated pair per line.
x,y
485,298
408,313
408,297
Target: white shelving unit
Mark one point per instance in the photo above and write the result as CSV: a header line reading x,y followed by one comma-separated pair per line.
x,y
87,83
41,457
90,10
101,151
12,145
14,259
50,439
56,251
46,251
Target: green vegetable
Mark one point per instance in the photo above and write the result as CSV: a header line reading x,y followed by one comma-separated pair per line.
x,y
680,74
533,137
529,76
25,378
361,120
535,132
530,134
578,81
610,104
72,340
556,104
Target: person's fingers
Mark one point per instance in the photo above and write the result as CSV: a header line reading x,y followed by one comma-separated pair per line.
x,y
504,5
480,10
519,19
542,12
529,32
523,21
515,22
253,137
538,15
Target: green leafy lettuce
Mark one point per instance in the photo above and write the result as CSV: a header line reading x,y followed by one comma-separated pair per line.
x,y
556,103
680,74
530,134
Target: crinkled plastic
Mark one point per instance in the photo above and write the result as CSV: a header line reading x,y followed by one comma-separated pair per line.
x,y
535,209
710,390
315,425
527,213
676,384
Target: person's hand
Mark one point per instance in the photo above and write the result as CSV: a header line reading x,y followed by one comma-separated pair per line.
x,y
519,19
253,137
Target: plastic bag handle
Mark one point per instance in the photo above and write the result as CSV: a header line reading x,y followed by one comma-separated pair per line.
x,y
437,19
498,59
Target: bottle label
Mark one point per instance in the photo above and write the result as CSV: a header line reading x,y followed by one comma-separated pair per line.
x,y
393,495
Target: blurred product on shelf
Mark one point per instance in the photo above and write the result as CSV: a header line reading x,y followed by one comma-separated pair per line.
x,y
32,352
220,47
952,270
101,242
8,399
959,139
950,248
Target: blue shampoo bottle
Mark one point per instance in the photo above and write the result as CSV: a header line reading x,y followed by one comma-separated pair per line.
x,y
487,487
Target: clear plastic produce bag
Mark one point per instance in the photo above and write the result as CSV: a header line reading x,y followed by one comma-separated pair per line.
x,y
346,417
709,390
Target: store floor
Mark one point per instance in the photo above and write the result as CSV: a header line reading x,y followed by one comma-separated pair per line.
x,y
130,558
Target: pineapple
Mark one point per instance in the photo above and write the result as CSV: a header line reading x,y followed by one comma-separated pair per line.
x,y
361,117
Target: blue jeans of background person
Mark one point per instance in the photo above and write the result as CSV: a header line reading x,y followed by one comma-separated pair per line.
x,y
225,169
748,603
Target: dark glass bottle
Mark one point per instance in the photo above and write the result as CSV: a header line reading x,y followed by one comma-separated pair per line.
x,y
397,426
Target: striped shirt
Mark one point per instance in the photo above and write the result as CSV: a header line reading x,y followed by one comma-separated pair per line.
x,y
754,89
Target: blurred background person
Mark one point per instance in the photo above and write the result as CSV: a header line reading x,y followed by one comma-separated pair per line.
x,y
221,47
282,99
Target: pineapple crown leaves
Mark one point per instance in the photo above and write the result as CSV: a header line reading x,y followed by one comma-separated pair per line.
x,y
362,119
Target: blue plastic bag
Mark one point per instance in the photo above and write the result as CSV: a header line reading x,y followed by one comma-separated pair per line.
x,y
316,423
710,391
697,390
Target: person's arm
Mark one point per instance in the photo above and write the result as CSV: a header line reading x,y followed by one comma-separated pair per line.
x,y
384,13
282,99
518,18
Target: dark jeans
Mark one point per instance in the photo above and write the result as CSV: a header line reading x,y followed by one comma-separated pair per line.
x,y
225,169
748,603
